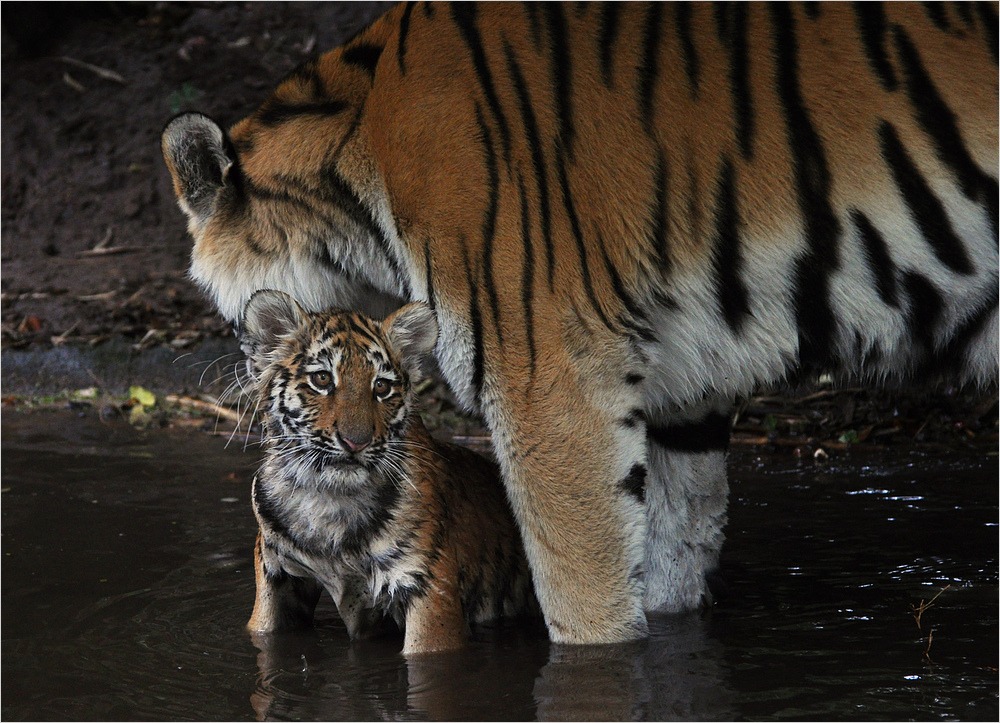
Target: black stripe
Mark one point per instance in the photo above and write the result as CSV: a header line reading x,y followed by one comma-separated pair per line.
x,y
992,203
872,27
537,158
358,537
731,19
660,213
364,56
964,10
682,12
879,261
348,134
476,321
464,16
727,257
815,319
429,274
636,320
926,209
936,11
404,30
633,419
490,220
924,312
360,326
606,36
988,17
429,9
813,10
335,189
561,71
307,72
935,117
531,9
321,252
957,349
635,483
527,277
649,64
267,508
282,196
710,434
275,112
581,247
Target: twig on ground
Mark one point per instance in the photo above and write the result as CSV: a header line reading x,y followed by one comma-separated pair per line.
x,y
200,406
95,69
97,297
72,83
111,250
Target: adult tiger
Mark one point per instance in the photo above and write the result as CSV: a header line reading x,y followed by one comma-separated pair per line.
x,y
625,216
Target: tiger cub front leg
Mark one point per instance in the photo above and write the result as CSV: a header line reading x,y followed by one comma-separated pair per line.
x,y
686,496
572,450
435,620
283,602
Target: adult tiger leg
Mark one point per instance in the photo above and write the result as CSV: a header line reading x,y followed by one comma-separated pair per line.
x,y
572,450
686,496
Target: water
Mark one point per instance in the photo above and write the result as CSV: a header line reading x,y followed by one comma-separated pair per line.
x,y
128,577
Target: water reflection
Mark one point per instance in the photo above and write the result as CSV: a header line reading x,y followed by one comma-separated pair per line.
x,y
677,674
128,579
507,673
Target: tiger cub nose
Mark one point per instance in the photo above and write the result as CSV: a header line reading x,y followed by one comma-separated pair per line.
x,y
355,445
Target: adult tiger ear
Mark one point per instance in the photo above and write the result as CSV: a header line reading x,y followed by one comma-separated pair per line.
x,y
267,317
200,161
413,331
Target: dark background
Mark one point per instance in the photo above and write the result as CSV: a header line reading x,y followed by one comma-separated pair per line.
x,y
93,244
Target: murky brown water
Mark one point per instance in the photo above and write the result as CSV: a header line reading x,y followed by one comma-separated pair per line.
x,y
127,578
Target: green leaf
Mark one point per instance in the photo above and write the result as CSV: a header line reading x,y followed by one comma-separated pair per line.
x,y
849,437
145,397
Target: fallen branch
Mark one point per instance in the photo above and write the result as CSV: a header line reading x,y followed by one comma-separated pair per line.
x,y
111,250
95,69
200,406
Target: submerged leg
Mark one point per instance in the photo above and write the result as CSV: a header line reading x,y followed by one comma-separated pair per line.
x,y
284,602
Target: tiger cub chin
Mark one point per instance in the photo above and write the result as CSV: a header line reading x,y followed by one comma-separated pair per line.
x,y
355,497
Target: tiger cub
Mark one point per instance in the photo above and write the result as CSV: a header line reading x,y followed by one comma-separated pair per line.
x,y
355,497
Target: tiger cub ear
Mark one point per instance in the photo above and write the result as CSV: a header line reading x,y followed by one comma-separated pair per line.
x,y
199,159
412,331
267,317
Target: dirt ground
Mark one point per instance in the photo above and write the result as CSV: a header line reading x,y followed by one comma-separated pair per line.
x,y
94,248
93,244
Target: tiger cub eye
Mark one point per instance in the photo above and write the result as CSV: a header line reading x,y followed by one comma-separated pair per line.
x,y
381,387
321,379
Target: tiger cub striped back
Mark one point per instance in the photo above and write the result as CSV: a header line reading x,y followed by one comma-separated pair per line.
x,y
355,497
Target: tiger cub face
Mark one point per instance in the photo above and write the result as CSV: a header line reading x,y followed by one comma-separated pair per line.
x,y
334,388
